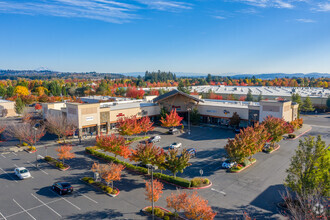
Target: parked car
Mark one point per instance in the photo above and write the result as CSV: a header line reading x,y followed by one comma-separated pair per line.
x,y
192,152
174,131
154,139
22,173
62,188
227,164
175,145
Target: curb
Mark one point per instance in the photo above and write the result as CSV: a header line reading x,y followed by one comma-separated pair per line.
x,y
238,171
111,195
140,173
165,210
272,150
30,152
301,134
64,169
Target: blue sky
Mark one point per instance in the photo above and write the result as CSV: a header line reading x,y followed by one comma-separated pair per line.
x,y
197,36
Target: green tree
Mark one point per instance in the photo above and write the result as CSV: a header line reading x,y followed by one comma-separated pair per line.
x,y
328,102
260,97
208,78
183,88
163,112
19,106
175,163
234,120
10,91
307,105
2,91
295,97
309,170
249,96
195,117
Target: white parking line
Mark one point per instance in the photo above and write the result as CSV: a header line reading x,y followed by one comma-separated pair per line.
x,y
66,200
24,210
14,153
37,167
88,198
3,156
46,205
15,165
8,175
222,192
17,213
2,216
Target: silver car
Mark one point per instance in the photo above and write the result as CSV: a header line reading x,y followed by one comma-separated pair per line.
x,y
22,173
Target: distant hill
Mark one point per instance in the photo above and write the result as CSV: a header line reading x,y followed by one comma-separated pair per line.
x,y
282,75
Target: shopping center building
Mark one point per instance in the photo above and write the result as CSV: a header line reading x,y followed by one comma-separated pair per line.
x,y
7,108
99,114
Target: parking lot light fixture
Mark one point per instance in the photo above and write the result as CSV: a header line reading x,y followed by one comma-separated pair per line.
x,y
152,167
188,109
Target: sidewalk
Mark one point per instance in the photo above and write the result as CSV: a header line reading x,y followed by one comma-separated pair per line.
x,y
305,128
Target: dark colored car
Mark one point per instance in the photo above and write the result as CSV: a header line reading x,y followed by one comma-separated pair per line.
x,y
62,188
192,152
237,130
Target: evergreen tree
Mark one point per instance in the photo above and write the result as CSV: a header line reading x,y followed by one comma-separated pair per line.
x,y
260,96
2,91
208,78
195,117
181,87
10,91
307,105
328,102
295,97
19,106
249,96
309,168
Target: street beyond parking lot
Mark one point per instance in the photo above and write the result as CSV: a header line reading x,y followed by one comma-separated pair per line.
x,y
255,190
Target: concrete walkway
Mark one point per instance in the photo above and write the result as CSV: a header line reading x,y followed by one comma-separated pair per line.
x,y
305,128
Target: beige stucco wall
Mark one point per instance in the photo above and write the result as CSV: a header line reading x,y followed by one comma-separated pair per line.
x,y
219,111
139,112
88,114
7,109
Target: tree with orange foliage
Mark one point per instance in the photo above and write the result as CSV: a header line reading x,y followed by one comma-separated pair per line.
x,y
197,208
128,126
113,144
158,190
276,127
112,173
148,153
177,201
64,152
146,125
37,107
172,119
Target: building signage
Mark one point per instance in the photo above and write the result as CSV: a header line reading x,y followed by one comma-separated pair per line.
x,y
120,115
91,118
226,112
211,111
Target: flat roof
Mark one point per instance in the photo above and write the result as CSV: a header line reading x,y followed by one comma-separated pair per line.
x,y
131,105
4,101
229,103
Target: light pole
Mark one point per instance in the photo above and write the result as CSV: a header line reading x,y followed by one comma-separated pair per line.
x,y
188,109
152,167
35,144
255,118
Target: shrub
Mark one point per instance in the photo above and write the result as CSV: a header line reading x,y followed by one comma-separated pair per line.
x,y
206,181
197,181
48,158
149,209
291,136
25,144
32,148
178,181
246,162
60,165
108,189
159,213
114,191
166,217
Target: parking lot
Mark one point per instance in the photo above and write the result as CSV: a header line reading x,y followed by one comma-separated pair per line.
x,y
255,190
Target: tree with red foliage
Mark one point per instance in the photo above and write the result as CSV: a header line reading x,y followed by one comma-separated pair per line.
x,y
172,119
113,144
242,98
154,92
64,152
2,129
262,135
146,125
197,208
128,126
276,127
37,106
158,190
132,92
32,135
148,153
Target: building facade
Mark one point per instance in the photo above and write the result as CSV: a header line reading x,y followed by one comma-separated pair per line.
x,y
101,117
7,108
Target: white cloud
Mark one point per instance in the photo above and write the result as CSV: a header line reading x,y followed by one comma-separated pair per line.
x,y
219,17
304,20
269,3
115,11
323,6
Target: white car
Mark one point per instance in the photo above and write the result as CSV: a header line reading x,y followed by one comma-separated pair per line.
x,y
227,164
22,173
175,145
